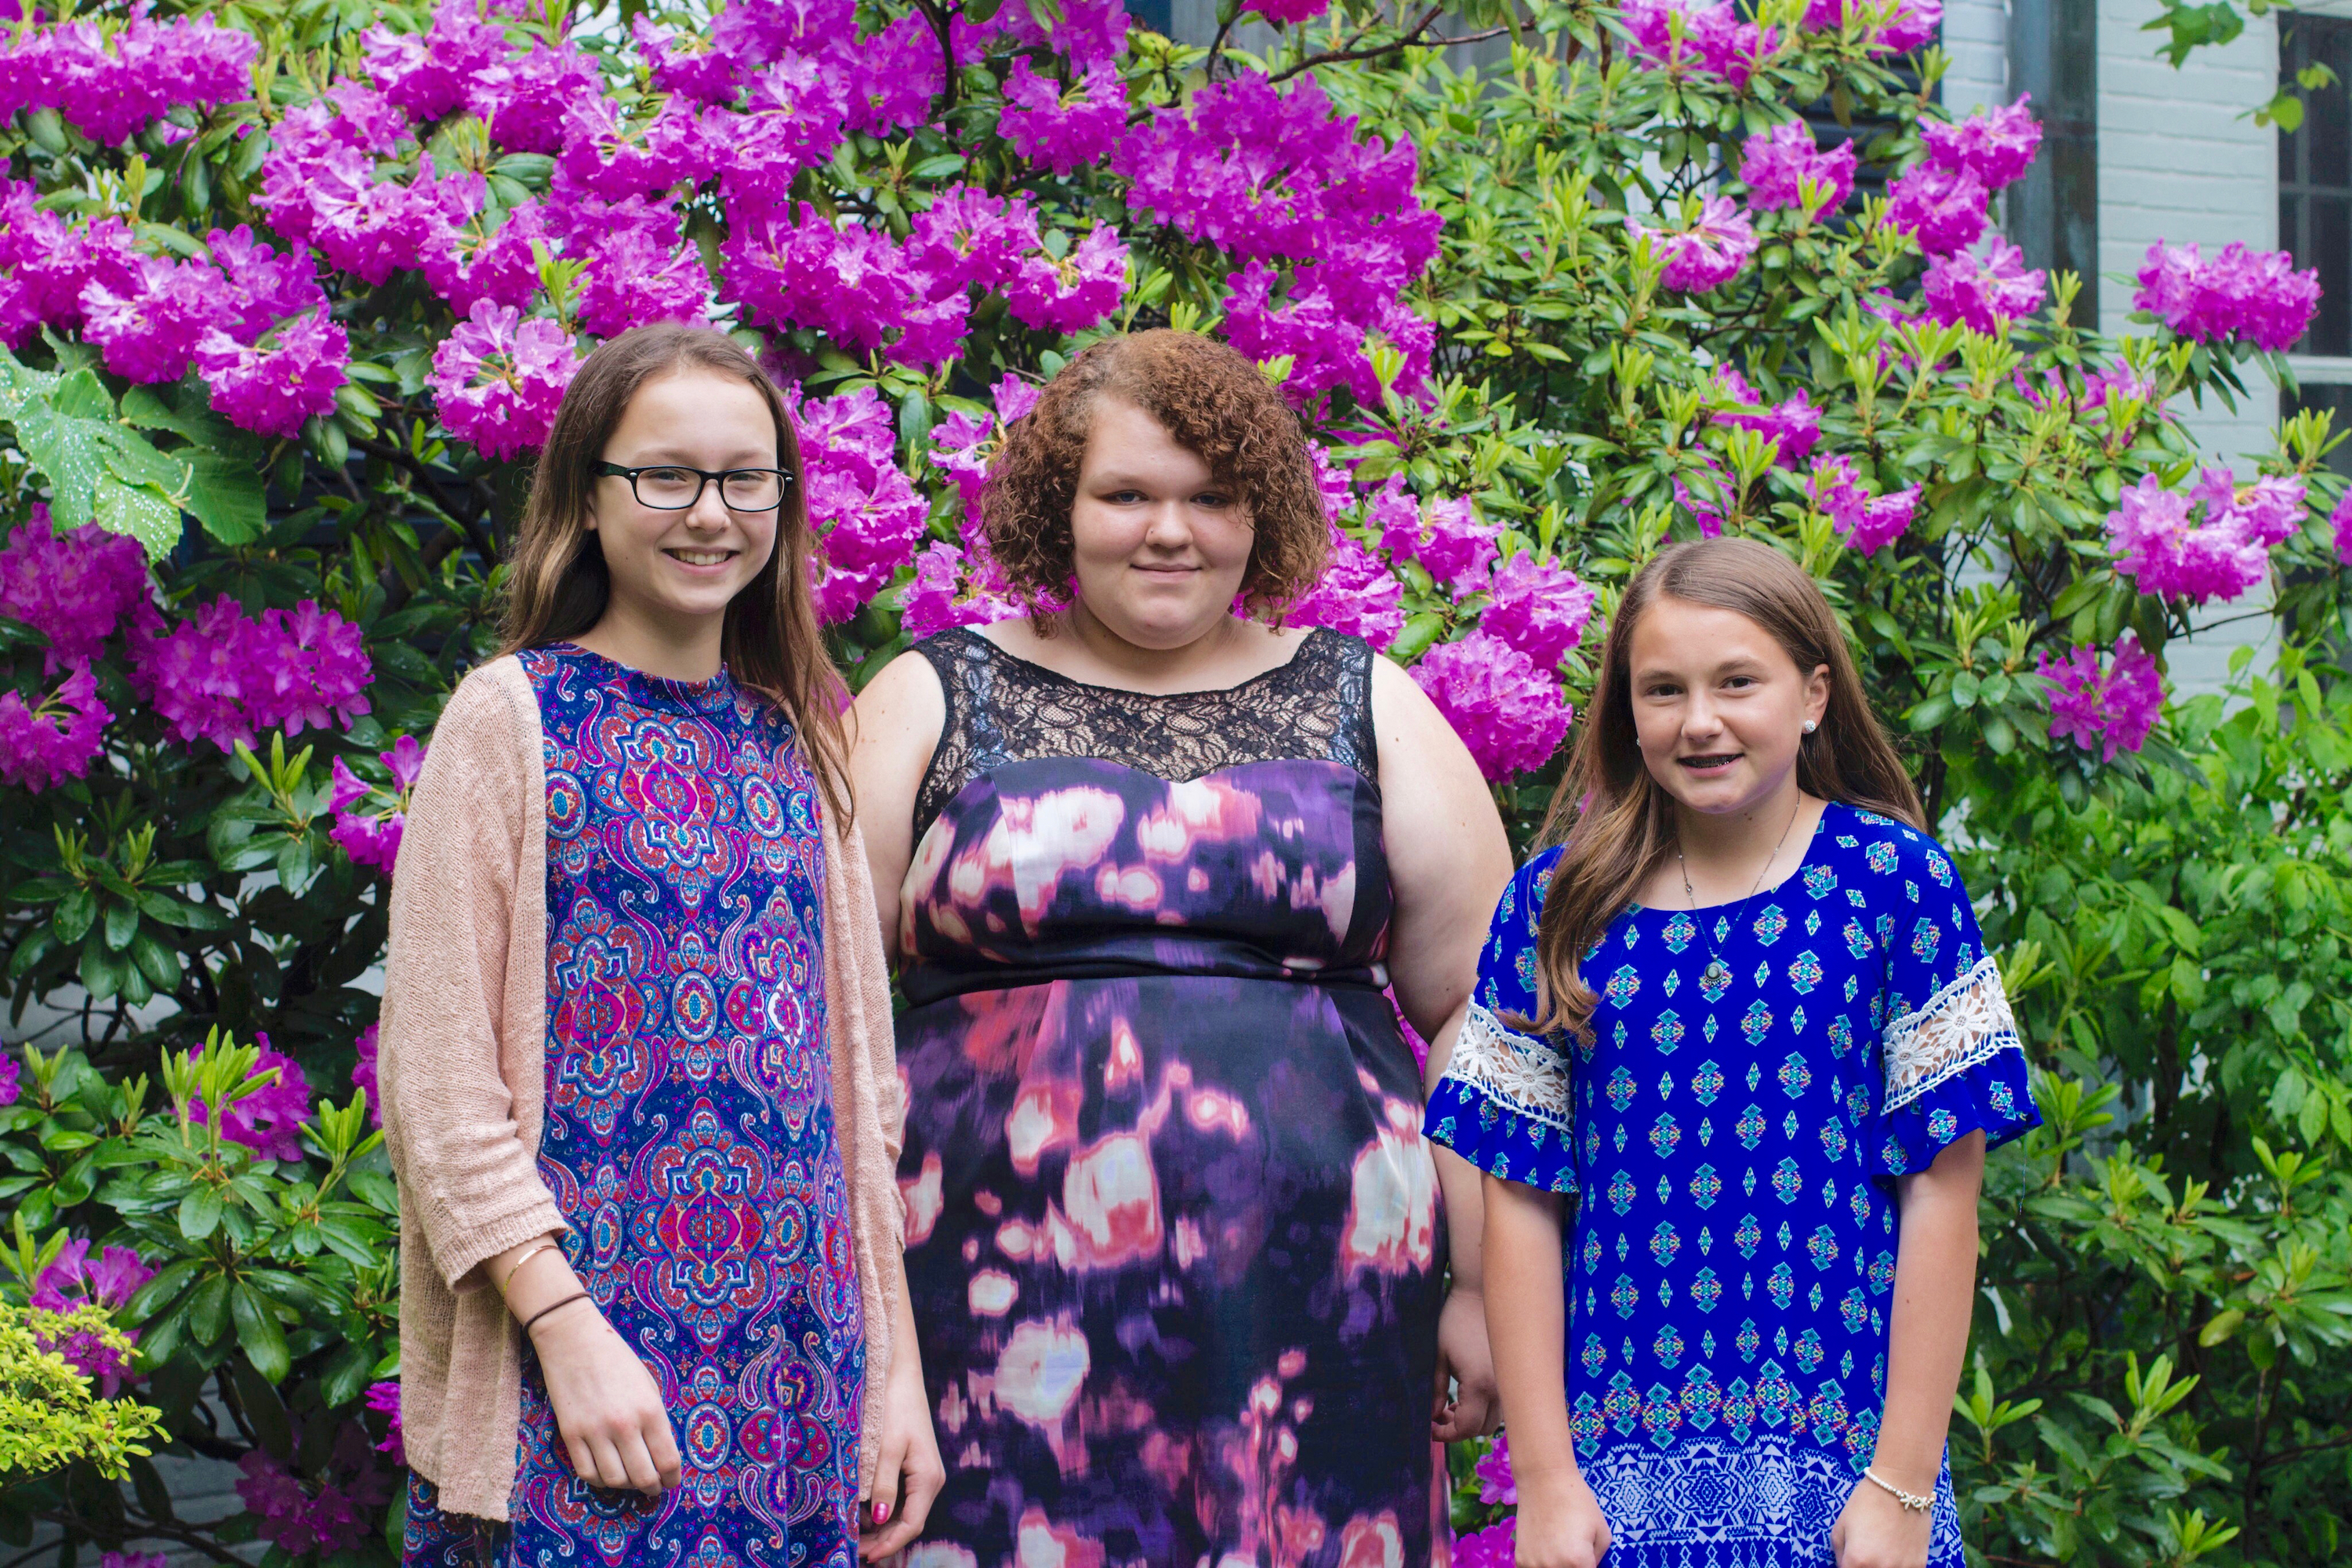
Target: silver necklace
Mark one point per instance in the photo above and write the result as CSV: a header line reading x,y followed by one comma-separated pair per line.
x,y
1717,974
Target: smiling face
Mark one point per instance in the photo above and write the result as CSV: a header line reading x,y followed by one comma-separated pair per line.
x,y
1160,545
675,572
1718,705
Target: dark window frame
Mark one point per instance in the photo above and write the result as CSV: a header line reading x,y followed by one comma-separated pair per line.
x,y
2315,175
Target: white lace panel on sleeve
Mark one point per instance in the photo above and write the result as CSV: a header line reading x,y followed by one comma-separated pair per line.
x,y
1966,1023
1513,1070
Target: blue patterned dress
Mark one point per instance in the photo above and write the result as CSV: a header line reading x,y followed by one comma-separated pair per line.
x,y
1733,1143
689,1137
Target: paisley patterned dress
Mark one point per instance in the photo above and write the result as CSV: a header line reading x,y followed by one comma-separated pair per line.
x,y
1759,1075
1172,1232
689,1138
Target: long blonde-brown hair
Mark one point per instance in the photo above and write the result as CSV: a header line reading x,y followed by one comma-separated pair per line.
x,y
557,583
1617,824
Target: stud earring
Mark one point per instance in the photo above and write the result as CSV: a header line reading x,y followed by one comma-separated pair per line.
x,y
1809,726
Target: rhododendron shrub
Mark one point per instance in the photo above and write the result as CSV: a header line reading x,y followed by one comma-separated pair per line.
x,y
288,299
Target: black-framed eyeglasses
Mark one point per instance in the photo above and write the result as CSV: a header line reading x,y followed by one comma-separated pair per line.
x,y
668,486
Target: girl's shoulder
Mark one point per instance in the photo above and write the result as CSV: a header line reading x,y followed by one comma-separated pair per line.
x,y
1507,964
492,715
1873,850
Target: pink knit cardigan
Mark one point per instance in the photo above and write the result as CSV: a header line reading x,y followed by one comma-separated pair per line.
x,y
462,1068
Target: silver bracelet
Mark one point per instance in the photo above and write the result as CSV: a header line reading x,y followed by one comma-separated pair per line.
x,y
1912,1501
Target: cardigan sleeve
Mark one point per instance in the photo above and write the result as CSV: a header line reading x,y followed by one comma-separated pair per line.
x,y
468,1179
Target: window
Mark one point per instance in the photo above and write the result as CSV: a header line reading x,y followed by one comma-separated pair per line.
x,y
2315,174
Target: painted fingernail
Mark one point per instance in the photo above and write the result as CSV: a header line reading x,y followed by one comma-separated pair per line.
x,y
881,1513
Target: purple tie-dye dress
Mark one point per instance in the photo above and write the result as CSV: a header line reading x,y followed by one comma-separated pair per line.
x,y
1174,1236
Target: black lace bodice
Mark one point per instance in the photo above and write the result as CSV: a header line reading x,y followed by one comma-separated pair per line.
x,y
1004,709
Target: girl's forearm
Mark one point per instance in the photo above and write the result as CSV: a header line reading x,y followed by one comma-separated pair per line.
x,y
1928,1328
1527,1307
1461,1184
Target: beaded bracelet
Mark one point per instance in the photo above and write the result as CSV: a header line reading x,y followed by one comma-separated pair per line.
x,y
582,1296
1912,1501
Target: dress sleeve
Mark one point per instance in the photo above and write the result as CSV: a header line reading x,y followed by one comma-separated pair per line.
x,y
1503,1104
1948,1051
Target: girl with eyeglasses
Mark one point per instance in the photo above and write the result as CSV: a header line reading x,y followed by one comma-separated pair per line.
x,y
637,1054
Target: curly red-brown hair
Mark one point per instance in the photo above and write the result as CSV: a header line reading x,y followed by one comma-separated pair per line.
x,y
1214,404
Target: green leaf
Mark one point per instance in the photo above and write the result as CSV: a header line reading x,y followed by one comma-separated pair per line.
x,y
258,1333
141,512
229,496
70,452
74,915
122,924
200,1211
208,1313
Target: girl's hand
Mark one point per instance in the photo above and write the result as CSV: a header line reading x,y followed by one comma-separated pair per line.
x,y
1463,1358
910,1473
608,1408
1873,1531
1561,1525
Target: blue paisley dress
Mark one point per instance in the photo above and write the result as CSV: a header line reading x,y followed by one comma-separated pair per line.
x,y
689,1138
1732,1139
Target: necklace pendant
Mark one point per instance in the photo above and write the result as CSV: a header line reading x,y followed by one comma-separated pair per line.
x,y
1718,977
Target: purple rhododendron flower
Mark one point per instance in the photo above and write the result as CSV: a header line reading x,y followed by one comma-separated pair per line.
x,y
1795,424
1446,536
383,1399
331,1514
1289,13
73,1278
890,78
2168,554
1943,208
1496,1546
796,117
1983,293
427,73
1538,607
1868,522
498,378
9,1079
1775,164
867,517
525,98
363,1076
1713,38
134,1559
2340,522
269,1120
1357,594
1065,130
45,744
1075,292
223,677
1511,714
46,266
73,589
113,84
271,386
1497,1485
1996,147
148,331
2103,710
1908,25
944,593
373,837
1709,252
2256,295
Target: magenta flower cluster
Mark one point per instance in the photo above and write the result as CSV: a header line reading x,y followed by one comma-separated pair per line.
x,y
44,743
112,80
2257,295
269,1120
1279,180
363,1074
1510,713
1984,293
330,1514
1775,165
867,515
368,818
74,1278
1794,425
73,589
383,1399
1869,522
223,676
2209,542
1940,201
2104,706
1707,253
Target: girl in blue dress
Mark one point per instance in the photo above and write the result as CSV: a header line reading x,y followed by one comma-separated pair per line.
x,y
1742,1012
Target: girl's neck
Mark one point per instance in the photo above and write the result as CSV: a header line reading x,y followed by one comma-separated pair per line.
x,y
1726,856
1084,648
651,645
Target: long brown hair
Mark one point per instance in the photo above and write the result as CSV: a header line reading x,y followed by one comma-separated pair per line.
x,y
1617,823
557,583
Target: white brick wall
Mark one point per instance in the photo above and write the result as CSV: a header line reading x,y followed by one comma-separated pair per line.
x,y
1976,35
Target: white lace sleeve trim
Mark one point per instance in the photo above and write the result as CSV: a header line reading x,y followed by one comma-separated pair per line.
x,y
1964,1024
1516,1071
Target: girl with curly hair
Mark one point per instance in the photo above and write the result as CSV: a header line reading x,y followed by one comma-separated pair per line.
x,y
1148,859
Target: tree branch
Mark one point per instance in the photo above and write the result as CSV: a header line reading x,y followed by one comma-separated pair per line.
x,y
1411,38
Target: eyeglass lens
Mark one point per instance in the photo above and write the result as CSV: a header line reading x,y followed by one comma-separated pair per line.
x,y
743,489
